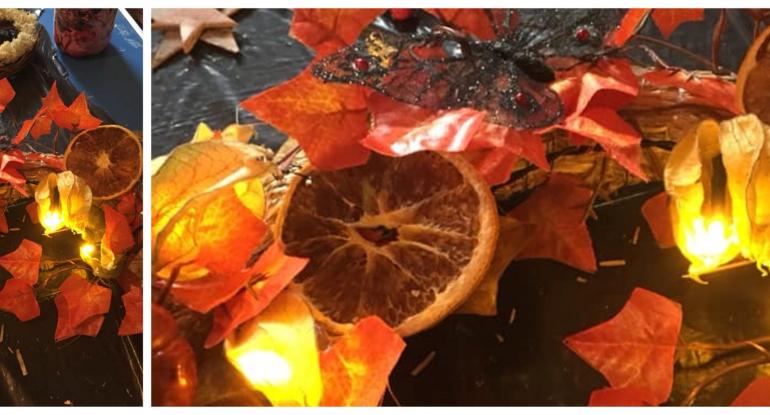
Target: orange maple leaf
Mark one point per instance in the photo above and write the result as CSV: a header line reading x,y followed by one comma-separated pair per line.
x,y
327,30
6,93
668,20
474,21
328,120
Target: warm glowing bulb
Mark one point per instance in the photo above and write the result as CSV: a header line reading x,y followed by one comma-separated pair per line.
x,y
261,367
86,250
52,221
711,241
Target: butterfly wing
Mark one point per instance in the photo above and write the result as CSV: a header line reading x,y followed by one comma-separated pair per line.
x,y
563,36
443,70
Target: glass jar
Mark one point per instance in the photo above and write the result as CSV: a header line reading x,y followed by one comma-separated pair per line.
x,y
83,32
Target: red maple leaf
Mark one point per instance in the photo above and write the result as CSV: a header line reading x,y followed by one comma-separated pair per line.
x,y
558,209
76,117
132,320
130,206
10,161
473,21
356,367
24,262
496,163
756,394
668,20
328,120
591,96
117,232
18,297
278,270
656,213
622,397
635,349
81,306
3,220
711,91
174,371
632,21
6,93
327,30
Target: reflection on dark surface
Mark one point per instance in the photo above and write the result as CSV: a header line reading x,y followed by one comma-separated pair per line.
x,y
485,360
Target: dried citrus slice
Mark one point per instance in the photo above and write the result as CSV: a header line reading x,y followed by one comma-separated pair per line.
x,y
108,158
406,239
753,82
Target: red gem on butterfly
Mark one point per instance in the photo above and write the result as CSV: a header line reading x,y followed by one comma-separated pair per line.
x,y
582,35
361,65
400,14
521,99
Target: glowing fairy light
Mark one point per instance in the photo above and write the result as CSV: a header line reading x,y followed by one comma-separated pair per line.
x,y
260,367
709,243
86,251
52,221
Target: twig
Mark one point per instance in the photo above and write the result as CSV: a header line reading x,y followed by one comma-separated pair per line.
x,y
724,267
420,367
716,39
674,47
690,399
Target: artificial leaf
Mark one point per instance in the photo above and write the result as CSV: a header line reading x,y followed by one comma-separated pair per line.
x,y
326,30
635,349
473,21
632,21
24,262
282,338
514,236
558,209
197,168
656,213
18,297
400,129
117,238
6,93
591,97
668,20
756,394
355,369
711,91
76,117
81,306
328,120
40,124
210,241
10,161
276,271
3,219
130,206
132,320
622,397
174,369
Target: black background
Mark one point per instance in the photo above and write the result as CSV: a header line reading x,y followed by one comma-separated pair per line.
x,y
472,366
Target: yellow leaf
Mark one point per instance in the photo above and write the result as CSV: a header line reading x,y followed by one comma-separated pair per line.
x,y
238,132
202,133
276,353
514,236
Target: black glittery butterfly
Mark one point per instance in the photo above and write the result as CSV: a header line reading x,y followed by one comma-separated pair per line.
x,y
421,61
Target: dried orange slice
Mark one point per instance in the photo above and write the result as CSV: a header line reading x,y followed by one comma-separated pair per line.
x,y
753,83
108,158
406,239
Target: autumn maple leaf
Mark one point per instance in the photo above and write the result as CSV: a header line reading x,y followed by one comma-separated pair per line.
x,y
10,161
668,20
355,369
756,394
81,306
327,30
558,210
591,96
6,93
710,91
18,297
656,212
132,320
24,262
276,270
328,120
635,349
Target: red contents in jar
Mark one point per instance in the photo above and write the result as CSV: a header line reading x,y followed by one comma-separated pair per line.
x,y
83,32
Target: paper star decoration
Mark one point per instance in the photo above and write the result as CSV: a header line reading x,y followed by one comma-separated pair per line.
x,y
184,27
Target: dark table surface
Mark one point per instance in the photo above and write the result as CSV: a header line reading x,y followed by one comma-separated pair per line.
x,y
485,360
105,370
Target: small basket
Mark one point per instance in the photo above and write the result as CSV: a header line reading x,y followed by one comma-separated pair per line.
x,y
16,67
